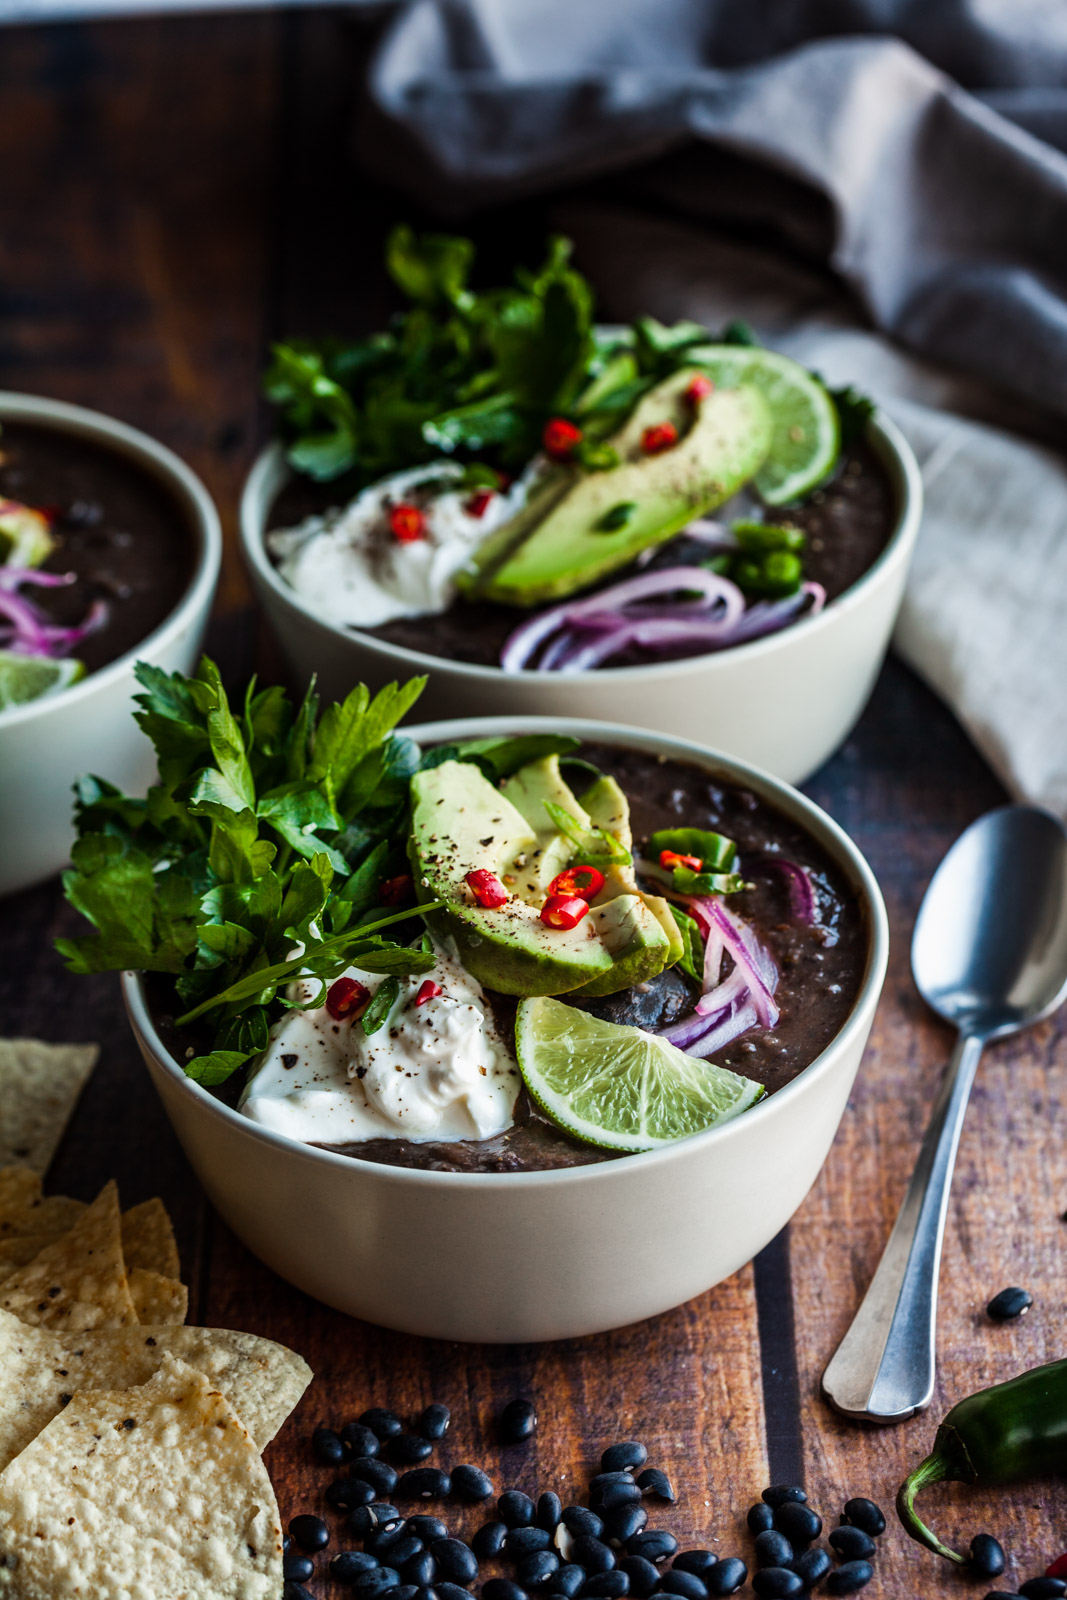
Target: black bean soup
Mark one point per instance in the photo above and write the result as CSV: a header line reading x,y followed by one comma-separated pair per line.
x,y
115,526
847,523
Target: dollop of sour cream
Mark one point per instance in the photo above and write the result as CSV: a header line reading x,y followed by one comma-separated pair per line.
x,y
350,569
439,1071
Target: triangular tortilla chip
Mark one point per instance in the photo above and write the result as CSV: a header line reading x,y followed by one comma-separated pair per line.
x,y
79,1281
39,1084
155,1491
148,1239
158,1301
53,1213
20,1251
19,1188
263,1381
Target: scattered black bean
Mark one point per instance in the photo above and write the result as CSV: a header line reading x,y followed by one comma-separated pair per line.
x,y
686,1584
310,1533
524,1541
407,1449
866,1515
579,1519
986,1556
297,1569
773,1549
594,1555
295,1591
424,1591
656,1483
622,1523
852,1544
362,1521
434,1422
776,1583
569,1580
798,1522
549,1510
385,1424
327,1447
623,1457
502,1589
1009,1303
516,1508
471,1483
361,1440
1001,1594
376,1582
350,1563
347,1493
698,1561
1043,1588
382,1541
609,1496
388,1516
811,1567
286,1544
419,1569
424,1483
850,1578
760,1517
654,1544
451,1591
427,1528
607,1585
779,1493
456,1560
489,1540
517,1421
642,1574
727,1577
379,1474
535,1570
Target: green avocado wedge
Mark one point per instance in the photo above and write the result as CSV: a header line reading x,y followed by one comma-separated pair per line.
x,y
603,519
461,822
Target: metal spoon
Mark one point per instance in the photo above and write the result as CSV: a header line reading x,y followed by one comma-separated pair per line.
x,y
989,955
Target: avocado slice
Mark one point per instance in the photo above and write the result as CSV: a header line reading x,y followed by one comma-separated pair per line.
x,y
461,822
721,444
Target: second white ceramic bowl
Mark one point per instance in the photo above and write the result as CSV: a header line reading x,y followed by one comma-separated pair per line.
x,y
784,703
46,744
514,1257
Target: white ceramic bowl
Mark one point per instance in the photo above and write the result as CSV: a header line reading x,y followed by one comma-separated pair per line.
x,y
46,745
784,703
513,1257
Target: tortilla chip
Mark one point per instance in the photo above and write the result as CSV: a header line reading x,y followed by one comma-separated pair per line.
x,y
155,1491
20,1188
53,1214
20,1251
262,1380
148,1240
79,1281
39,1085
158,1301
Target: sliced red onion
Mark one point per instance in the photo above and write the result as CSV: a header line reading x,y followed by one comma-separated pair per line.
x,y
28,630
12,578
801,890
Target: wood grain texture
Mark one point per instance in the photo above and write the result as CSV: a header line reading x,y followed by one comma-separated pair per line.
x,y
172,195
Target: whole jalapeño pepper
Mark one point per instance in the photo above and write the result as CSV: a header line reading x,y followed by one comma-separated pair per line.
x,y
1014,1430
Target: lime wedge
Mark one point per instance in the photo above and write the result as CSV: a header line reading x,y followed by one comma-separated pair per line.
x,y
24,678
807,435
620,1087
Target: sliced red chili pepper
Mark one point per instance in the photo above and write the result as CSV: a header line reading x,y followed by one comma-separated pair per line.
x,y
486,888
699,389
1058,1568
398,891
346,998
586,882
428,991
564,911
671,859
478,503
561,438
407,522
661,436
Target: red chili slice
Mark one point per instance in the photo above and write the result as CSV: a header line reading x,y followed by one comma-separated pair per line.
x,y
561,438
671,859
478,503
659,437
428,991
398,891
585,882
699,389
346,998
486,888
564,911
407,522
1058,1568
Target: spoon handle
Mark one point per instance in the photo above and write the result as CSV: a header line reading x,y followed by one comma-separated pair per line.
x,y
883,1369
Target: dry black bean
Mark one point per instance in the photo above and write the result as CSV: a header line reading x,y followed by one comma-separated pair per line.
x,y
656,1483
424,1483
297,1568
327,1447
686,1584
382,1541
310,1533
516,1508
350,1563
524,1541
518,1421
419,1568
579,1519
295,1591
698,1561
362,1521
812,1566
851,1578
434,1422
361,1440
852,1544
865,1514
1001,1594
642,1574
379,1474
535,1570
406,1591
773,1549
451,1591
986,1556
424,1591
777,1583
607,1586
568,1580
489,1540
1043,1588
1008,1304
376,1582
593,1554
407,1449
456,1560
619,1491
549,1510
622,1457
347,1493
655,1544
427,1528
502,1589
386,1424
798,1522
760,1517
622,1523
779,1493
471,1483
602,1478
727,1576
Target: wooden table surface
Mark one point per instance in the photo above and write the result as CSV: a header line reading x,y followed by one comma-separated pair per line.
x,y
172,195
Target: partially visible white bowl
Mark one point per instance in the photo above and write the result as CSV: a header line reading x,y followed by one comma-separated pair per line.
x,y
515,1257
46,744
784,703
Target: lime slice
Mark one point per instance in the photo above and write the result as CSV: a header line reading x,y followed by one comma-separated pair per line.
x,y
807,435
24,678
620,1087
